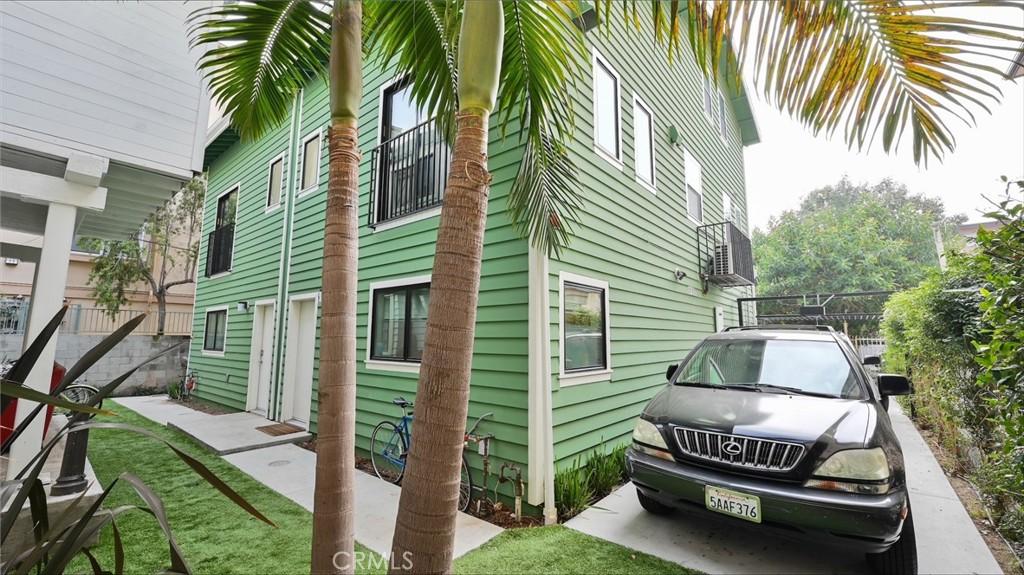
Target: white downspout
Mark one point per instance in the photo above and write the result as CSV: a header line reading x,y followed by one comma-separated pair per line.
x,y
541,464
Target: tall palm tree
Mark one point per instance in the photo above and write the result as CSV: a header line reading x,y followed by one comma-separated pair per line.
x,y
260,56
876,63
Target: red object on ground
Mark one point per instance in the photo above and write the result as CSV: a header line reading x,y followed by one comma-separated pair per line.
x,y
7,418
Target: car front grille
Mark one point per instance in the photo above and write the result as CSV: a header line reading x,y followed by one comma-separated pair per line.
x,y
747,452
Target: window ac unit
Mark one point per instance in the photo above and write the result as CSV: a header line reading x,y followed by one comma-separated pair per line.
x,y
723,262
729,257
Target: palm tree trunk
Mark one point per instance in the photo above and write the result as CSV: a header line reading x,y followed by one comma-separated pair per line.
x,y
427,510
333,527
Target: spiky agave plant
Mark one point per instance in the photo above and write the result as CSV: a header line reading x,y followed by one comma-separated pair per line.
x,y
55,545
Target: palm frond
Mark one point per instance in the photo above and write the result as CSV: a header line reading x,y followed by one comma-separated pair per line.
x,y
860,66
259,55
419,38
542,60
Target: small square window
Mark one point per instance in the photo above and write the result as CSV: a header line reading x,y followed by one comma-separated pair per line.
x,y
643,143
585,328
310,162
399,323
274,183
606,109
216,330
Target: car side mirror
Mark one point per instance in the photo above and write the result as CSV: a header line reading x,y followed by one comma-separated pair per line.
x,y
671,371
889,384
872,360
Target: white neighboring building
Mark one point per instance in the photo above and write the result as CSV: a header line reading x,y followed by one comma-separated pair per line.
x,y
102,118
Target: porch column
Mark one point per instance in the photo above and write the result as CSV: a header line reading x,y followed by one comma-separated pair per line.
x,y
47,297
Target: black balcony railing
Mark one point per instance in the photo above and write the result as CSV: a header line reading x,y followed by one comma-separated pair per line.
x,y
218,249
409,173
726,257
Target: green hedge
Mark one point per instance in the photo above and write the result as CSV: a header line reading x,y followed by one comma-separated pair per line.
x,y
960,336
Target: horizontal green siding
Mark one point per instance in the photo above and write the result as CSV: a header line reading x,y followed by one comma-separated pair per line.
x,y
635,240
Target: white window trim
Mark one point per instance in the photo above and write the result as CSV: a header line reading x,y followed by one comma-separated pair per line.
x,y
405,220
382,364
206,318
284,179
707,99
700,190
237,187
729,214
723,126
615,160
318,134
651,186
595,375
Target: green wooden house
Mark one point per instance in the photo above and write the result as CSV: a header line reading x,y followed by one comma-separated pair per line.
x,y
568,350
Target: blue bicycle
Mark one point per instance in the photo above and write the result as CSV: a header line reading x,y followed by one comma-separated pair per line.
x,y
389,447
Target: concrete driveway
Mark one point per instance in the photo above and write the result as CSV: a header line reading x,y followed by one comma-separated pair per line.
x,y
947,541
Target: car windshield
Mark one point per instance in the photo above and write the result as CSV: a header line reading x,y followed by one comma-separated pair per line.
x,y
779,366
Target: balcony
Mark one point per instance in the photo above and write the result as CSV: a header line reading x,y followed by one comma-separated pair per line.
x,y
726,257
218,250
409,173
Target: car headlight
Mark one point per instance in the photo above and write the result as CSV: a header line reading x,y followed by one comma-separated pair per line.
x,y
855,471
649,440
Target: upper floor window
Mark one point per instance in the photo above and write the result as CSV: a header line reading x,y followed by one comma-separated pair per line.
x,y
216,330
727,211
411,162
643,143
585,334
694,189
607,137
274,182
220,242
709,109
723,115
399,322
310,175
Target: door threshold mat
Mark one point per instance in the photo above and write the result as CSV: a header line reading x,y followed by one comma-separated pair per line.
x,y
276,429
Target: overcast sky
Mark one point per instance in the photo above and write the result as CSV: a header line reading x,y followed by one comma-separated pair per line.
x,y
789,161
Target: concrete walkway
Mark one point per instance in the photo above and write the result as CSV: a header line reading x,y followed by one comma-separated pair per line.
x,y
947,541
290,470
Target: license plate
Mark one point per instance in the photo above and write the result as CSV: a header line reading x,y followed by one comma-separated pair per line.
x,y
733,503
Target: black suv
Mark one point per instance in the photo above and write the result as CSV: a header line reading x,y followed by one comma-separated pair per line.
x,y
780,426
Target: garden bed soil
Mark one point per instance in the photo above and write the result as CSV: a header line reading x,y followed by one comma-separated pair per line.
x,y
203,406
1000,548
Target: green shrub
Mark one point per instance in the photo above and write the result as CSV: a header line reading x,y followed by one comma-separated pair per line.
x,y
572,490
619,455
605,472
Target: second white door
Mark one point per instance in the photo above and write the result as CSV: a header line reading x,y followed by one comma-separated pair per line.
x,y
298,371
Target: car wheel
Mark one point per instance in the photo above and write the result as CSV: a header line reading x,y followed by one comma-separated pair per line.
x,y
901,558
652,506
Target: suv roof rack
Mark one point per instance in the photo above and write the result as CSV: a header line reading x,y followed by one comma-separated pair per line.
x,y
782,326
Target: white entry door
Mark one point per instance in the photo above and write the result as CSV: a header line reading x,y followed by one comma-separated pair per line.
x,y
298,370
262,360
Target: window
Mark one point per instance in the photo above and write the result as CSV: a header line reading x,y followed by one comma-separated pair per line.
x,y
216,328
411,161
606,109
643,143
274,182
694,191
310,162
723,115
220,242
816,367
585,341
399,318
709,110
727,211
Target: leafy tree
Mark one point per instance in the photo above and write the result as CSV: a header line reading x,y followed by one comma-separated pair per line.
x,y
164,255
852,237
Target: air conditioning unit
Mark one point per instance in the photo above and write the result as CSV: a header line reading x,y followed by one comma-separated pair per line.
x,y
730,260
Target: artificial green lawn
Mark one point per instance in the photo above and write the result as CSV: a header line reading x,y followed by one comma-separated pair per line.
x,y
217,537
